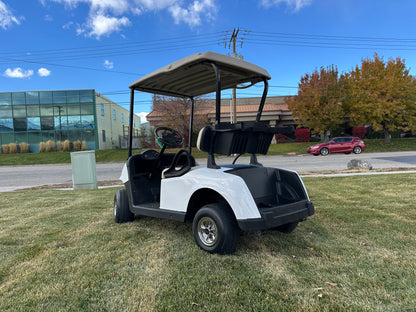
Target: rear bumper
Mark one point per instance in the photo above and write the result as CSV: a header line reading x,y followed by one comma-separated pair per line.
x,y
279,215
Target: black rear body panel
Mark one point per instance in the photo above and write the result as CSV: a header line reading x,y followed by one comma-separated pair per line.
x,y
279,195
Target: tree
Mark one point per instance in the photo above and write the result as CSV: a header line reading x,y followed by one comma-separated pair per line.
x,y
146,137
174,113
318,103
382,95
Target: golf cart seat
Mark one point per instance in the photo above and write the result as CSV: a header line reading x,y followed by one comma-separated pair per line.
x,y
239,138
181,164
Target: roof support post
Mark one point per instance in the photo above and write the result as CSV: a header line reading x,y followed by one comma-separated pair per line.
x,y
130,139
191,124
218,93
263,99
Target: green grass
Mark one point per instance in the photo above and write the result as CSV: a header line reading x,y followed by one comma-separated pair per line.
x,y
374,145
61,251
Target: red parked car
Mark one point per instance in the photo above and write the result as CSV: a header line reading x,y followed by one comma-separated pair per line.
x,y
345,145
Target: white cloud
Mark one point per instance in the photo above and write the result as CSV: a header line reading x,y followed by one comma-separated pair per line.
x,y
295,4
101,25
68,25
110,16
43,72
48,18
108,64
193,13
142,116
154,5
7,18
18,73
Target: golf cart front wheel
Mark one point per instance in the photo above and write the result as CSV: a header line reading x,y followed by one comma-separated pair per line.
x,y
121,208
215,229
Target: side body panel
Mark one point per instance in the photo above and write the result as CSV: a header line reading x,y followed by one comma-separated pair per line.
x,y
176,192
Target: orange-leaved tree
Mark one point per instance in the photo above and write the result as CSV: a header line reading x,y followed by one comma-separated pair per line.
x,y
382,95
318,104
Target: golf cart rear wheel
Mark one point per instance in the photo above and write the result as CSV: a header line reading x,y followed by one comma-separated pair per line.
x,y
215,229
121,208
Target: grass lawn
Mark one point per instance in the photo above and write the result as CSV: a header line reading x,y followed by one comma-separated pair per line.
x,y
375,145
61,251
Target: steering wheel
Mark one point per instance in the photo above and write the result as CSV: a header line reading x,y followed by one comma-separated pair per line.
x,y
168,137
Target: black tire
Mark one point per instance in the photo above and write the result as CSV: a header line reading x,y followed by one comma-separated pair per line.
x,y
324,151
287,228
357,150
215,229
121,208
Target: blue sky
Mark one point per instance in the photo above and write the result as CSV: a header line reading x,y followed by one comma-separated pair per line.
x,y
107,44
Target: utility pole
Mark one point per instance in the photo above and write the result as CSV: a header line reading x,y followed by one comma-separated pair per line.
x,y
236,37
234,102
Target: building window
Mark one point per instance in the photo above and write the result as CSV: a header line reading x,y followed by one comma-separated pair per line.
x,y
18,98
33,123
20,124
86,96
87,122
122,118
46,123
114,114
103,132
6,125
102,109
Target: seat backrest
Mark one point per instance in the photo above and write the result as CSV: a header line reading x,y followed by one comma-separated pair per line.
x,y
240,138
223,140
181,164
204,139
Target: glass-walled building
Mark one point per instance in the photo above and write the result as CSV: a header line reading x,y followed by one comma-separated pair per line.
x,y
39,116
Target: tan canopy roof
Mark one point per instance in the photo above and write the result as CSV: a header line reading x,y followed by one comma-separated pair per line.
x,y
194,75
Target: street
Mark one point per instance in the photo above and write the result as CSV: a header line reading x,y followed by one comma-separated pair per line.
x,y
18,177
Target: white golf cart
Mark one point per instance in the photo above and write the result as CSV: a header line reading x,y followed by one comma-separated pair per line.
x,y
223,200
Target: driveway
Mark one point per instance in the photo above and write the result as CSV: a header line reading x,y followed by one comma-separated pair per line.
x,y
18,177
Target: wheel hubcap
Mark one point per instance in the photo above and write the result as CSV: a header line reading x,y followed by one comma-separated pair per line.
x,y
207,231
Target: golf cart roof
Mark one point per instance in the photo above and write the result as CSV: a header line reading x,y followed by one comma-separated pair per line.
x,y
194,75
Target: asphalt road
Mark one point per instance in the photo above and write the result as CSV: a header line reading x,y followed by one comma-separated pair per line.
x,y
19,177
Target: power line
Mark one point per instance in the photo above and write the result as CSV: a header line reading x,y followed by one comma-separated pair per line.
x,y
43,57
325,41
383,39
115,50
74,67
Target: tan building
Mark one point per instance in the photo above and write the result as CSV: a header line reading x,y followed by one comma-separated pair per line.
x,y
113,123
275,111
